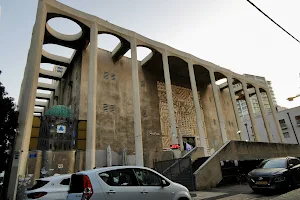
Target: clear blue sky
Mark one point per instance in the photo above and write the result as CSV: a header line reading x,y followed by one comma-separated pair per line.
x,y
233,35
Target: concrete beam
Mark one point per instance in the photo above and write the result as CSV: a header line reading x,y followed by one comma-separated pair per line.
x,y
147,58
54,59
46,86
120,50
223,86
50,74
42,96
41,103
38,110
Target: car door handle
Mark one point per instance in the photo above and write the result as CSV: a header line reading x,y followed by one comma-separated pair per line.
x,y
111,192
144,192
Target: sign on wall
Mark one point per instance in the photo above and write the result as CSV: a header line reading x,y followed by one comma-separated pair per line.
x,y
61,129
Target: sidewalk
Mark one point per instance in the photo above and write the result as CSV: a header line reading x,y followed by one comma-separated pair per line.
x,y
292,195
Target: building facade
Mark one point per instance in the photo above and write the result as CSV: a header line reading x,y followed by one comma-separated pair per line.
x,y
242,106
168,98
289,120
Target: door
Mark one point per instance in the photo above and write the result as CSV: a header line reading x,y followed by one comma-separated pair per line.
x,y
295,169
119,184
151,185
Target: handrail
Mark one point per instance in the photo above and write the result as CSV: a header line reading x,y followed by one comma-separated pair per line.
x,y
187,154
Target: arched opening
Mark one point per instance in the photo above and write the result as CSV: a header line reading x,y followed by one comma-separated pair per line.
x,y
59,50
232,129
142,52
108,42
247,132
64,26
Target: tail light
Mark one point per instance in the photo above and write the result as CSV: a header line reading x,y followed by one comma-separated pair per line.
x,y
36,195
88,188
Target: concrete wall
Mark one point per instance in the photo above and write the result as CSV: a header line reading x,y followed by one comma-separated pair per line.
x,y
115,106
210,174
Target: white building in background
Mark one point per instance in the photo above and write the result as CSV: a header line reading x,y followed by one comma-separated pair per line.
x,y
242,106
289,120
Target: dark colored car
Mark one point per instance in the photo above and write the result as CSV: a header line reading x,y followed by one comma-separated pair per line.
x,y
275,173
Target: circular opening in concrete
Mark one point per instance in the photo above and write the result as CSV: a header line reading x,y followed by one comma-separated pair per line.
x,y
64,26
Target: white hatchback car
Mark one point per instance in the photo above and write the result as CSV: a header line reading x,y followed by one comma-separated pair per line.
x,y
53,187
124,182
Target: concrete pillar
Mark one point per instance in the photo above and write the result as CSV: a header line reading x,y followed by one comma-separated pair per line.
x,y
170,98
235,108
92,94
263,114
139,155
197,109
27,101
278,127
218,106
250,111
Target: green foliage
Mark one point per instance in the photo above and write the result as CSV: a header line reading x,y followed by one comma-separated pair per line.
x,y
8,125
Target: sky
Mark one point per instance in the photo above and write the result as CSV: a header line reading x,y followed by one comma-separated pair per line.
x,y
231,34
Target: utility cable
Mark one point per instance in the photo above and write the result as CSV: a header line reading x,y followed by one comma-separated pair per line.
x,y
272,20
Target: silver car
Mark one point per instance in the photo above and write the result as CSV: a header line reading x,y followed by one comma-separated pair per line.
x,y
124,182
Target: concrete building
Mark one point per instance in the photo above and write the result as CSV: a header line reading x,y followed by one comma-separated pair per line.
x,y
168,98
254,101
289,120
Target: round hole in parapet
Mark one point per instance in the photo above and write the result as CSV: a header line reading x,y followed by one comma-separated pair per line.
x,y
64,29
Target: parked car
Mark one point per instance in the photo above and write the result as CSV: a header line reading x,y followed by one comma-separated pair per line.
x,y
124,182
53,187
275,173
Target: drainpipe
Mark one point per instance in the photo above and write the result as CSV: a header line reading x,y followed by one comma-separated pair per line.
x,y
293,128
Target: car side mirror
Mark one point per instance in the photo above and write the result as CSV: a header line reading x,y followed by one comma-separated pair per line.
x,y
163,183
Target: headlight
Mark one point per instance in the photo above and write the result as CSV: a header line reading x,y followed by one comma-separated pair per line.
x,y
279,179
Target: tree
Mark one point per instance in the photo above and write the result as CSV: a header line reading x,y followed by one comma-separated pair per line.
x,y
8,126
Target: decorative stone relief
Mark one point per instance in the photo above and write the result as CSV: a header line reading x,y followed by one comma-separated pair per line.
x,y
185,114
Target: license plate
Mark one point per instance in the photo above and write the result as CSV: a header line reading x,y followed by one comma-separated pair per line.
x,y
262,182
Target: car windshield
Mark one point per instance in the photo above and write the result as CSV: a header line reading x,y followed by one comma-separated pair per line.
x,y
276,163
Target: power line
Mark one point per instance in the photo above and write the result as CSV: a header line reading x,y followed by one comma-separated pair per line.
x,y
272,20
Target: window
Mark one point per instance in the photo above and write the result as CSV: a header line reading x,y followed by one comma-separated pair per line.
x,y
282,124
147,178
273,163
298,120
105,107
122,177
112,108
105,75
113,76
66,181
286,134
294,161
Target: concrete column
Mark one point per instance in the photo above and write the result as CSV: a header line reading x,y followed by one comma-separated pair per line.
x,y
250,111
278,127
198,109
263,114
170,98
27,101
235,108
218,106
139,155
92,94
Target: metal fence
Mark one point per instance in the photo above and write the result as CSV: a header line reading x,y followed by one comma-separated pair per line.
x,y
177,170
